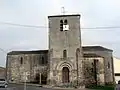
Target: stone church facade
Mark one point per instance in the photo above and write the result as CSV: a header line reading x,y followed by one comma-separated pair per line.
x,y
66,61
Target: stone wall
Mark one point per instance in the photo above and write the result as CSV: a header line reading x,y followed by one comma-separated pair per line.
x,y
89,69
64,40
108,63
31,64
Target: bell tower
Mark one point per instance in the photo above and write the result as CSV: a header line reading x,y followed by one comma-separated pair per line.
x,y
65,51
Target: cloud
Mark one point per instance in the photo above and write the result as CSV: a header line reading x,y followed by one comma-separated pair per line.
x,y
94,13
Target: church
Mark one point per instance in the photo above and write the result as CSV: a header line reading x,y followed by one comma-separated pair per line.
x,y
65,62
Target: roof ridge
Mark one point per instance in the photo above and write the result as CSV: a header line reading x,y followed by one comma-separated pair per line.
x,y
27,52
96,48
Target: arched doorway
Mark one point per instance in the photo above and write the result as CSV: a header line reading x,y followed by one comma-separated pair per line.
x,y
65,75
44,79
37,78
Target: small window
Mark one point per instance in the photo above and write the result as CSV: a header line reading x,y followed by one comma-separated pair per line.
x,y
61,25
108,65
65,22
92,64
64,53
39,60
21,60
77,53
61,21
96,61
43,60
92,70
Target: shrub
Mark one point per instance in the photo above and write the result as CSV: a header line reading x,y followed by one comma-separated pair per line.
x,y
110,83
90,83
102,87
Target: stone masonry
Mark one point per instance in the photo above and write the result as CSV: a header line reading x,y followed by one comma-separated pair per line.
x,y
66,61
107,56
33,64
30,62
64,40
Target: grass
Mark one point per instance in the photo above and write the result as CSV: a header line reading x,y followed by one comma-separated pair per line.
x,y
102,87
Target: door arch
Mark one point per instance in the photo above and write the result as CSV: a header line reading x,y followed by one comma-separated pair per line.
x,y
65,75
44,79
37,78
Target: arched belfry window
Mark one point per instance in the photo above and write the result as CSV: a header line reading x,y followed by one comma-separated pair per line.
x,y
65,22
64,53
61,25
21,60
61,21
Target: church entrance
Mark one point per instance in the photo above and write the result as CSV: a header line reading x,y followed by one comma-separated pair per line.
x,y
65,75
43,79
37,78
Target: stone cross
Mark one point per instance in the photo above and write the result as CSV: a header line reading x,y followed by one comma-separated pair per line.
x,y
63,10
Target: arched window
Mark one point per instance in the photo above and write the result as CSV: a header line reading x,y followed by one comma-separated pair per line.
x,y
77,53
61,25
65,22
21,60
39,60
64,53
108,65
92,69
43,60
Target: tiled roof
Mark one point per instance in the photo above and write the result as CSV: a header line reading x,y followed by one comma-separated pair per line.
x,y
85,48
95,48
27,52
91,55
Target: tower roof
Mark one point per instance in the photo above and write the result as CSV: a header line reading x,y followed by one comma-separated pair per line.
x,y
64,15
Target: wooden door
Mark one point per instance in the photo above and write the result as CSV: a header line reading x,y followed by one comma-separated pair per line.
x,y
65,75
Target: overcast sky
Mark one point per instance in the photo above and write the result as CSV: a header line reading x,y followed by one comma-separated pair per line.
x,y
94,13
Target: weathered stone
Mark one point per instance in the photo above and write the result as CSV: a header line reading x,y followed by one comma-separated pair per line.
x,y
65,40
66,62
